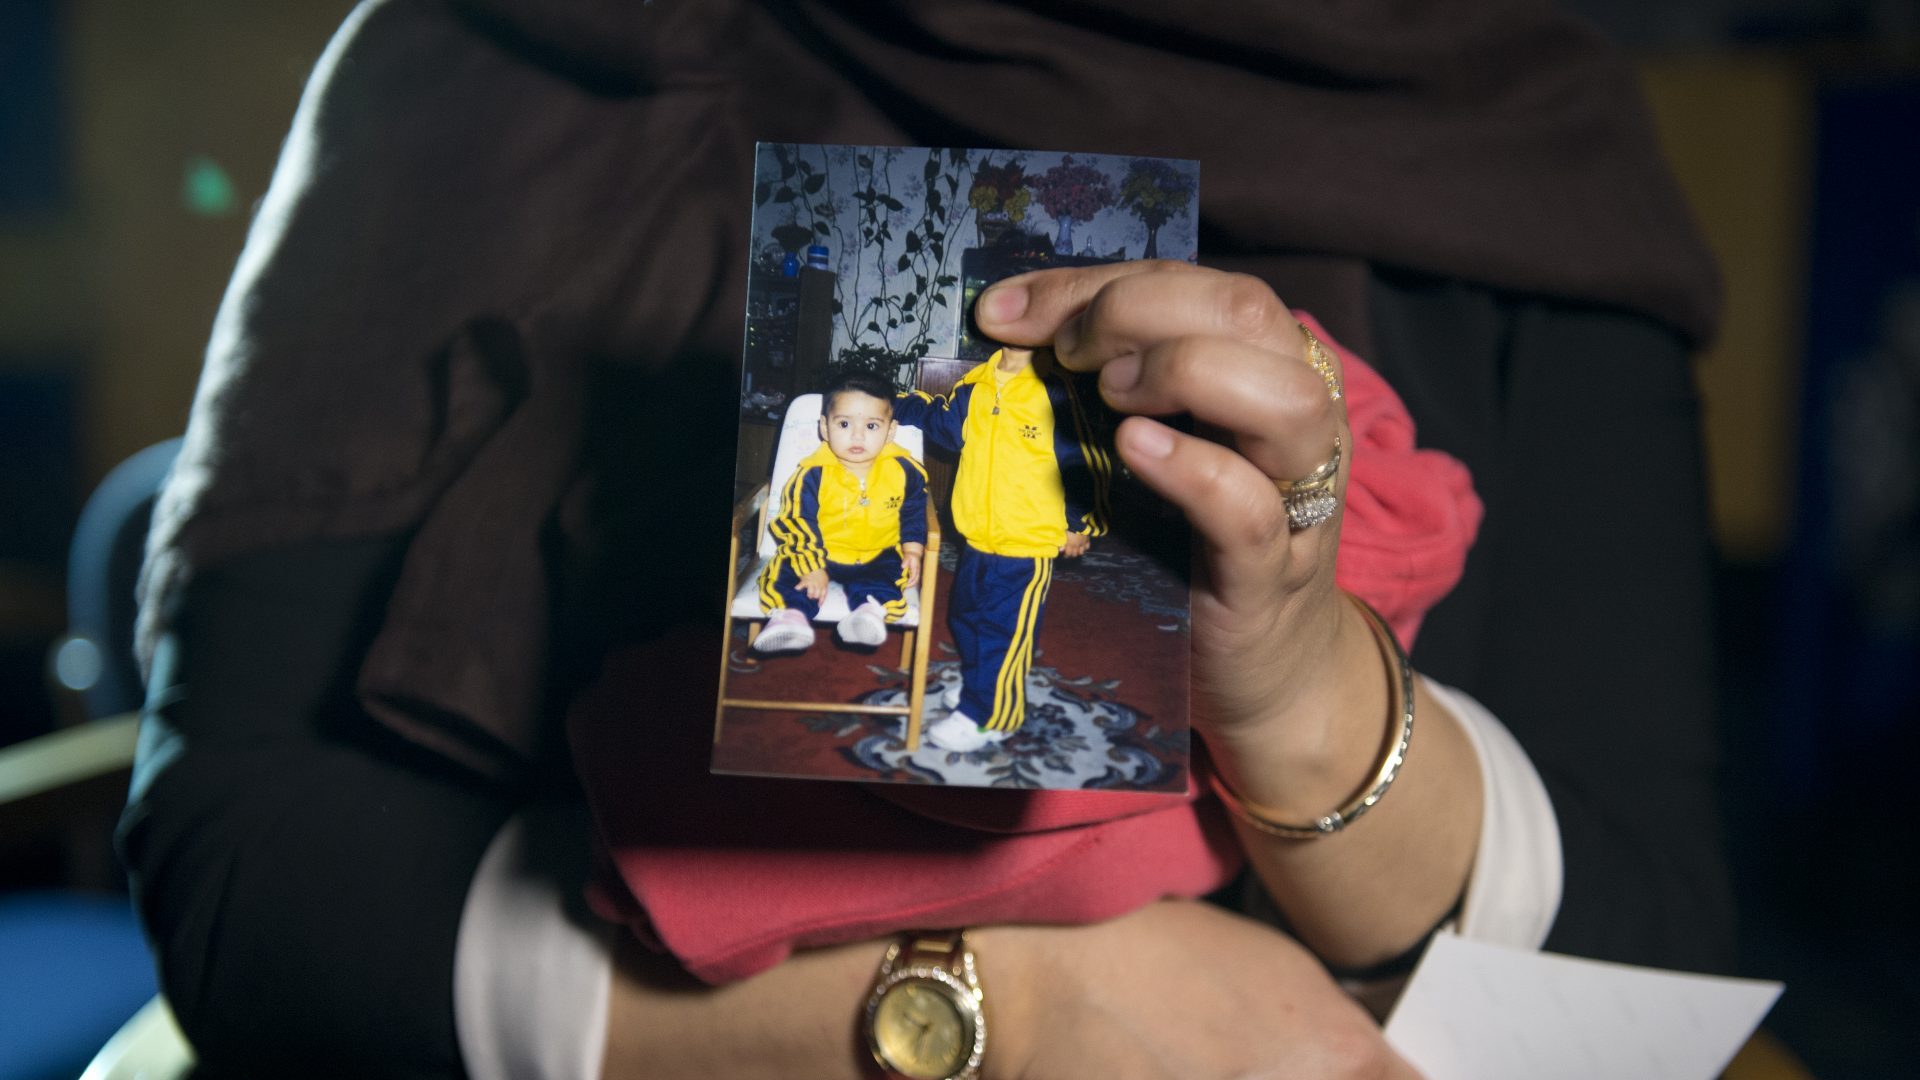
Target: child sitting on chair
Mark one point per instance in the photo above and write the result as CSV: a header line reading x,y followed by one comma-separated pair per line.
x,y
854,512
1031,485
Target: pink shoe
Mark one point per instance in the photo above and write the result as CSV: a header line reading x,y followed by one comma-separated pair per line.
x,y
786,631
864,625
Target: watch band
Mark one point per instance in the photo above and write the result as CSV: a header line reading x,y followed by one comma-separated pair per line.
x,y
946,948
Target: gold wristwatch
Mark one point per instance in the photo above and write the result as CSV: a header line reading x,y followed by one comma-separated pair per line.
x,y
924,1018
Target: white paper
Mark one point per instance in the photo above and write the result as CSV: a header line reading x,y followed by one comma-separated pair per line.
x,y
1474,1011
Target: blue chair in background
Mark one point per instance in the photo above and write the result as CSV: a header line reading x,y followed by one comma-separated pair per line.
x,y
95,658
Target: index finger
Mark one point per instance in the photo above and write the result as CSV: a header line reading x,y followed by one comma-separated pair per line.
x,y
1029,309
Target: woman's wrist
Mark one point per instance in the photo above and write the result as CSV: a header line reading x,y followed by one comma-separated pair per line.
x,y
1014,975
796,1021
1317,745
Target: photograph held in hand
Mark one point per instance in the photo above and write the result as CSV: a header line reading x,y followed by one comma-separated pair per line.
x,y
938,572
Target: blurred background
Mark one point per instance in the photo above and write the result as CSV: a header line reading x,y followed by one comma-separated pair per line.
x,y
136,137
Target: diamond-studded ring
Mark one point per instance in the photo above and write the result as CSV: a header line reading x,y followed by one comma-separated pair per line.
x,y
1310,500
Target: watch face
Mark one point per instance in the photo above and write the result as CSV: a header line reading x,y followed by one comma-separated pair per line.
x,y
920,1030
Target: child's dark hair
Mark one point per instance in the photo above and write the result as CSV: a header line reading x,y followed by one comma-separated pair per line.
x,y
859,382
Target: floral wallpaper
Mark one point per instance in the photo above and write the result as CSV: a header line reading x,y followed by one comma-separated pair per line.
x,y
895,223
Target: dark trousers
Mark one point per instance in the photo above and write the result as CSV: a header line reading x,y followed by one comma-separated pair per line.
x,y
879,578
994,609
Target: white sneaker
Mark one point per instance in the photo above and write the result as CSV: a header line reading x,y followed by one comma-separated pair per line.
x,y
786,631
950,697
960,733
864,625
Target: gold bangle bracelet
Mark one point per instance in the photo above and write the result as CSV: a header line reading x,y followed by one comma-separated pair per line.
x,y
1400,704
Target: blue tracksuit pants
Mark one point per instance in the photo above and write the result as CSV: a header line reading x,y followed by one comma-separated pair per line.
x,y
879,578
994,609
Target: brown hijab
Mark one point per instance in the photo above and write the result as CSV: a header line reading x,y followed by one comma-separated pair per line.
x,y
492,301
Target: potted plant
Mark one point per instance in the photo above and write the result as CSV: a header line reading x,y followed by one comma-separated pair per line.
x,y
1154,191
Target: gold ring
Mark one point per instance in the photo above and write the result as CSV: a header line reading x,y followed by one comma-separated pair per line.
x,y
1310,500
1321,361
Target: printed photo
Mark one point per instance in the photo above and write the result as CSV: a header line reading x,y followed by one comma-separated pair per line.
x,y
939,571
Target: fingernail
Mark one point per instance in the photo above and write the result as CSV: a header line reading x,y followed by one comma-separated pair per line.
x,y
1004,303
1121,374
1152,440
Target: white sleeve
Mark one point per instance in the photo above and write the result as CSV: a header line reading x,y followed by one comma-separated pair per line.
x,y
532,967
1514,892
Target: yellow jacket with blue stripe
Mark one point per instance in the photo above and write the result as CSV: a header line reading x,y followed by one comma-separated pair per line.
x,y
1031,467
829,514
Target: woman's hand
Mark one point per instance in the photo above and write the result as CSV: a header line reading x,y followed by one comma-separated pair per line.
x,y
1276,649
1179,990
1290,690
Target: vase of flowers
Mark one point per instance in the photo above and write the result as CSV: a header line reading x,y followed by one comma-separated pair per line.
x,y
1072,191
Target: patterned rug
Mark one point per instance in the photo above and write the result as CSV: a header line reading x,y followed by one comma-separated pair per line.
x,y
1106,696
1131,580
1076,736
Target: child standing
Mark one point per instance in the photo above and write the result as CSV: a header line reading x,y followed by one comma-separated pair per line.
x,y
855,512
1031,485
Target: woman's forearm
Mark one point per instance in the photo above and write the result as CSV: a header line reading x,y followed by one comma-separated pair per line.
x,y
796,1021
1365,894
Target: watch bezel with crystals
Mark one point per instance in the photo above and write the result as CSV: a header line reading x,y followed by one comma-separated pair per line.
x,y
956,979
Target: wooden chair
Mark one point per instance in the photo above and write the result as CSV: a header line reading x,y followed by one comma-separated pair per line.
x,y
800,436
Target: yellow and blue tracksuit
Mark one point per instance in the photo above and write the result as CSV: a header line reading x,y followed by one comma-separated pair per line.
x,y
1032,469
851,525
